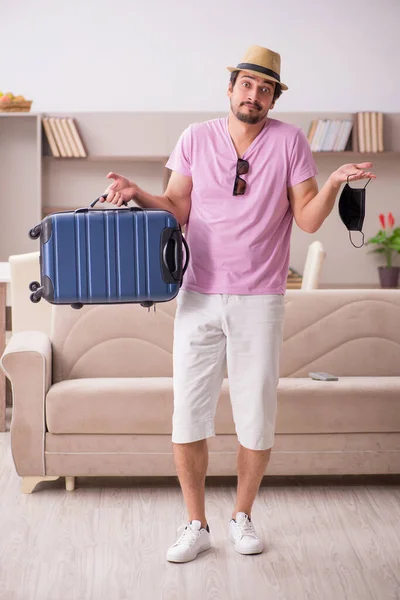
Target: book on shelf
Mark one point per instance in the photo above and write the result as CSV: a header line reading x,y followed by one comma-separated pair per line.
x,y
293,286
368,136
71,141
50,138
63,137
329,135
293,280
76,135
362,134
380,132
65,145
354,137
367,132
57,137
374,132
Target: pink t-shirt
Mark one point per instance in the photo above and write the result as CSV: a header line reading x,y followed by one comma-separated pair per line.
x,y
240,244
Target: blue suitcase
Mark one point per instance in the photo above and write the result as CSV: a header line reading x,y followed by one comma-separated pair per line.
x,y
111,256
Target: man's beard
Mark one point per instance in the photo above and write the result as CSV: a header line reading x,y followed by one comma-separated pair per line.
x,y
250,119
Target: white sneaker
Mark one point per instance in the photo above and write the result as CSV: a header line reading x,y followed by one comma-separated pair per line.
x,y
243,535
193,539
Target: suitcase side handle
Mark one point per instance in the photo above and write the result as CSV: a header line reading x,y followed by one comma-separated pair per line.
x,y
175,272
187,255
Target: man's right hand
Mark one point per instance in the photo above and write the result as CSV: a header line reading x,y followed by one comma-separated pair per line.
x,y
121,190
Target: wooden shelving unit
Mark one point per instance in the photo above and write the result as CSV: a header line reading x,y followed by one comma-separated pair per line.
x,y
20,180
33,184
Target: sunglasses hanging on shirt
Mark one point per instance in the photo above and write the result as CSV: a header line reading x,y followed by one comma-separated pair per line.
x,y
352,209
242,168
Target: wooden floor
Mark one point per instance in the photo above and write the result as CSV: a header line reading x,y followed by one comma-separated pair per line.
x,y
325,540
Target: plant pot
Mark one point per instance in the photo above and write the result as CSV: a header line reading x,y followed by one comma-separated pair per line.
x,y
389,276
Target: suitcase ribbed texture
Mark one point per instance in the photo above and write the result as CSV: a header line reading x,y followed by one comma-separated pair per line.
x,y
107,256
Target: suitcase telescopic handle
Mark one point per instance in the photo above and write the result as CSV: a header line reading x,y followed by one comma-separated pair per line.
x,y
103,196
87,208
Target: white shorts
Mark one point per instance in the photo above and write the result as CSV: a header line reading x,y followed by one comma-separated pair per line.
x,y
242,332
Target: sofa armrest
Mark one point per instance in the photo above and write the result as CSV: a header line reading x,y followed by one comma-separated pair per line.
x,y
26,362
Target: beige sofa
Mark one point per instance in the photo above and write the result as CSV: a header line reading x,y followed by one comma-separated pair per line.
x,y
95,398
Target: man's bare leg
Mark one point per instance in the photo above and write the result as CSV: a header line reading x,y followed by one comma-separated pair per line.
x,y
191,461
251,467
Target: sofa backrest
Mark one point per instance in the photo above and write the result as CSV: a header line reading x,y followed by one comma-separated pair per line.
x,y
123,340
344,332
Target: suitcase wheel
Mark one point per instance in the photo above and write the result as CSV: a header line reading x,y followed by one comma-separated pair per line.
x,y
35,297
34,233
146,304
77,305
34,285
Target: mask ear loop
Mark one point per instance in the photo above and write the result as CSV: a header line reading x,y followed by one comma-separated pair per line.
x,y
369,179
360,231
354,243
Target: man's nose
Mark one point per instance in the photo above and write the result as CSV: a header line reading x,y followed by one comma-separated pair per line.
x,y
253,95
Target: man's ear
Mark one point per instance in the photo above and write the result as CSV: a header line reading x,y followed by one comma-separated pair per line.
x,y
229,90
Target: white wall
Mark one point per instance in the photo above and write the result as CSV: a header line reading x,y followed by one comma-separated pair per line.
x,y
171,54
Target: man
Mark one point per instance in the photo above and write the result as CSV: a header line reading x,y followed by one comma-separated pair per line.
x,y
236,183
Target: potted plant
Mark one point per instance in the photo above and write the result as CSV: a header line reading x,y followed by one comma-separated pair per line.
x,y
388,243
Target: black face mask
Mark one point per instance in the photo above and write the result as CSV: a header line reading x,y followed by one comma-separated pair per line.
x,y
352,209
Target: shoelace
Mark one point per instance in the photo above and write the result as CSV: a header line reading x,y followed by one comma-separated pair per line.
x,y
245,527
188,536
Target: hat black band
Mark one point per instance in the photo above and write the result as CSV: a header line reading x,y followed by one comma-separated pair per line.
x,y
265,71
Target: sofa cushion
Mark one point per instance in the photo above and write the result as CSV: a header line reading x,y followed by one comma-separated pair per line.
x,y
142,405
145,406
351,404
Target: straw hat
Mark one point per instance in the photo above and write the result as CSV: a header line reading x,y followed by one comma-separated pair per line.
x,y
263,63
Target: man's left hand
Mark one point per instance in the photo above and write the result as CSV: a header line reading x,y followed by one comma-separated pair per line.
x,y
353,171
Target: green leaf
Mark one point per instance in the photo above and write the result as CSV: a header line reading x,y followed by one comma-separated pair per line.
x,y
379,238
374,240
393,245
